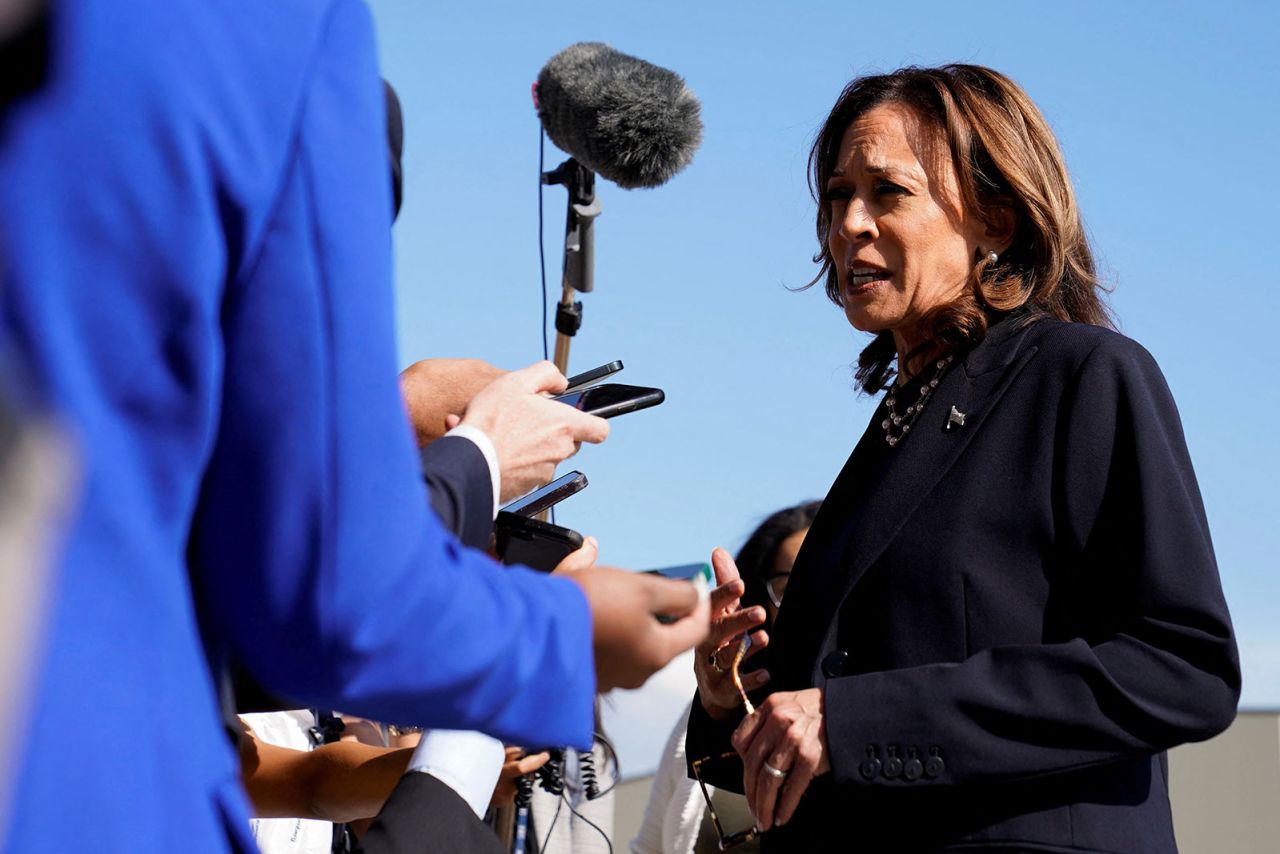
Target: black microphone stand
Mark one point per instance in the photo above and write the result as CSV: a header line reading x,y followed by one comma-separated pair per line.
x,y
579,250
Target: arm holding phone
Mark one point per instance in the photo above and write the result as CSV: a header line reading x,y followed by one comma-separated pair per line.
x,y
530,432
433,389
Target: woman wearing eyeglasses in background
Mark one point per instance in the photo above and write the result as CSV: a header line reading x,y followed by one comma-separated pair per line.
x,y
675,818
1008,608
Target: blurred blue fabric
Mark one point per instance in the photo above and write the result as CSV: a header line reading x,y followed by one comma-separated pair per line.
x,y
195,216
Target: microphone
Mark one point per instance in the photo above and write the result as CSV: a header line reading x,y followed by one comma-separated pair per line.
x,y
625,119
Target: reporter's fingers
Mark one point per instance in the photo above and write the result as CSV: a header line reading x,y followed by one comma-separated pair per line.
x,y
532,763
540,377
669,597
587,428
581,559
687,631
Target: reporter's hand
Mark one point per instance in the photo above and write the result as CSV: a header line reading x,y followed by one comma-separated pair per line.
x,y
516,765
581,559
630,644
531,433
715,684
362,730
434,389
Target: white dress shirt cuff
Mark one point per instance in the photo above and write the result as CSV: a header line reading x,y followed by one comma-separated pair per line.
x,y
467,762
485,444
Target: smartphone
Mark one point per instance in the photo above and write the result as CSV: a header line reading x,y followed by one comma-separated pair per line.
x,y
551,494
698,574
593,376
612,399
540,545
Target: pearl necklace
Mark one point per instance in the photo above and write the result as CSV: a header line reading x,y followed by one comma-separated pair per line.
x,y
902,423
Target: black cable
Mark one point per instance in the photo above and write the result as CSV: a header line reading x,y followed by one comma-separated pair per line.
x,y
589,822
587,773
542,250
542,254
546,840
611,759
524,790
551,774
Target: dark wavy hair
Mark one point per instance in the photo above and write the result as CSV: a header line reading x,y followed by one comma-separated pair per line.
x,y
755,558
1005,156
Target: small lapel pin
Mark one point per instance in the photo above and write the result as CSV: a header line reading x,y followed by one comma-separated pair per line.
x,y
955,420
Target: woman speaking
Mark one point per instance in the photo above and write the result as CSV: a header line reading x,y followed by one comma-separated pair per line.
x,y
1008,608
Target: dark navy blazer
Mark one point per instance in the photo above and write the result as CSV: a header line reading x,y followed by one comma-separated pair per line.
x,y
195,218
1012,619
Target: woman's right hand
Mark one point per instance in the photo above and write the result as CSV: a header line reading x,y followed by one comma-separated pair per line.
x,y
716,690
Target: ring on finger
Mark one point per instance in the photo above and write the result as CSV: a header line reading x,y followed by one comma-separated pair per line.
x,y
776,773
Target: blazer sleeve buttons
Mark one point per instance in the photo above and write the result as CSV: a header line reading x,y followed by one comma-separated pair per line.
x,y
870,767
934,766
892,765
913,767
834,664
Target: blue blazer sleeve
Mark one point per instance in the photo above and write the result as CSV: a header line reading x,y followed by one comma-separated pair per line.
x,y
318,560
1154,663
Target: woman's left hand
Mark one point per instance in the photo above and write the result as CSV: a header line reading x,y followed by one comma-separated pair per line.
x,y
789,733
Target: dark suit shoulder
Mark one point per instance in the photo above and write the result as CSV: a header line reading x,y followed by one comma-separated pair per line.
x,y
1080,346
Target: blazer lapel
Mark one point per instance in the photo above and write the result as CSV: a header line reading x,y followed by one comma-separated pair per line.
x,y
869,504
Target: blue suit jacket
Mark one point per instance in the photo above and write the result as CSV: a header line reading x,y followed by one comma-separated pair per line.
x,y
195,218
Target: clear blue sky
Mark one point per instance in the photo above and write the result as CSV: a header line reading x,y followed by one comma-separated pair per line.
x,y
1169,115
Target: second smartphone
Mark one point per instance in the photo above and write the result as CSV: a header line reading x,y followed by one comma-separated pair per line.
x,y
612,399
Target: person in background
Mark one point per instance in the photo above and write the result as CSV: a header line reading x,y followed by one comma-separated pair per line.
x,y
675,817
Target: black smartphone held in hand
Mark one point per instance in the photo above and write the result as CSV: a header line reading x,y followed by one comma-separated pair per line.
x,y
591,377
539,545
697,574
548,496
612,399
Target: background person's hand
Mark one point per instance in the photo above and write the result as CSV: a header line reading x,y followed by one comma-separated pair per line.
x,y
516,765
434,389
789,732
630,644
531,433
728,621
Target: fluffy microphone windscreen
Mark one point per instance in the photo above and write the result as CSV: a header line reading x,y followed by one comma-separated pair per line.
x,y
625,119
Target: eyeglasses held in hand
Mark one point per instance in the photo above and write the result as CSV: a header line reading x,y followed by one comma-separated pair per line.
x,y
724,840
